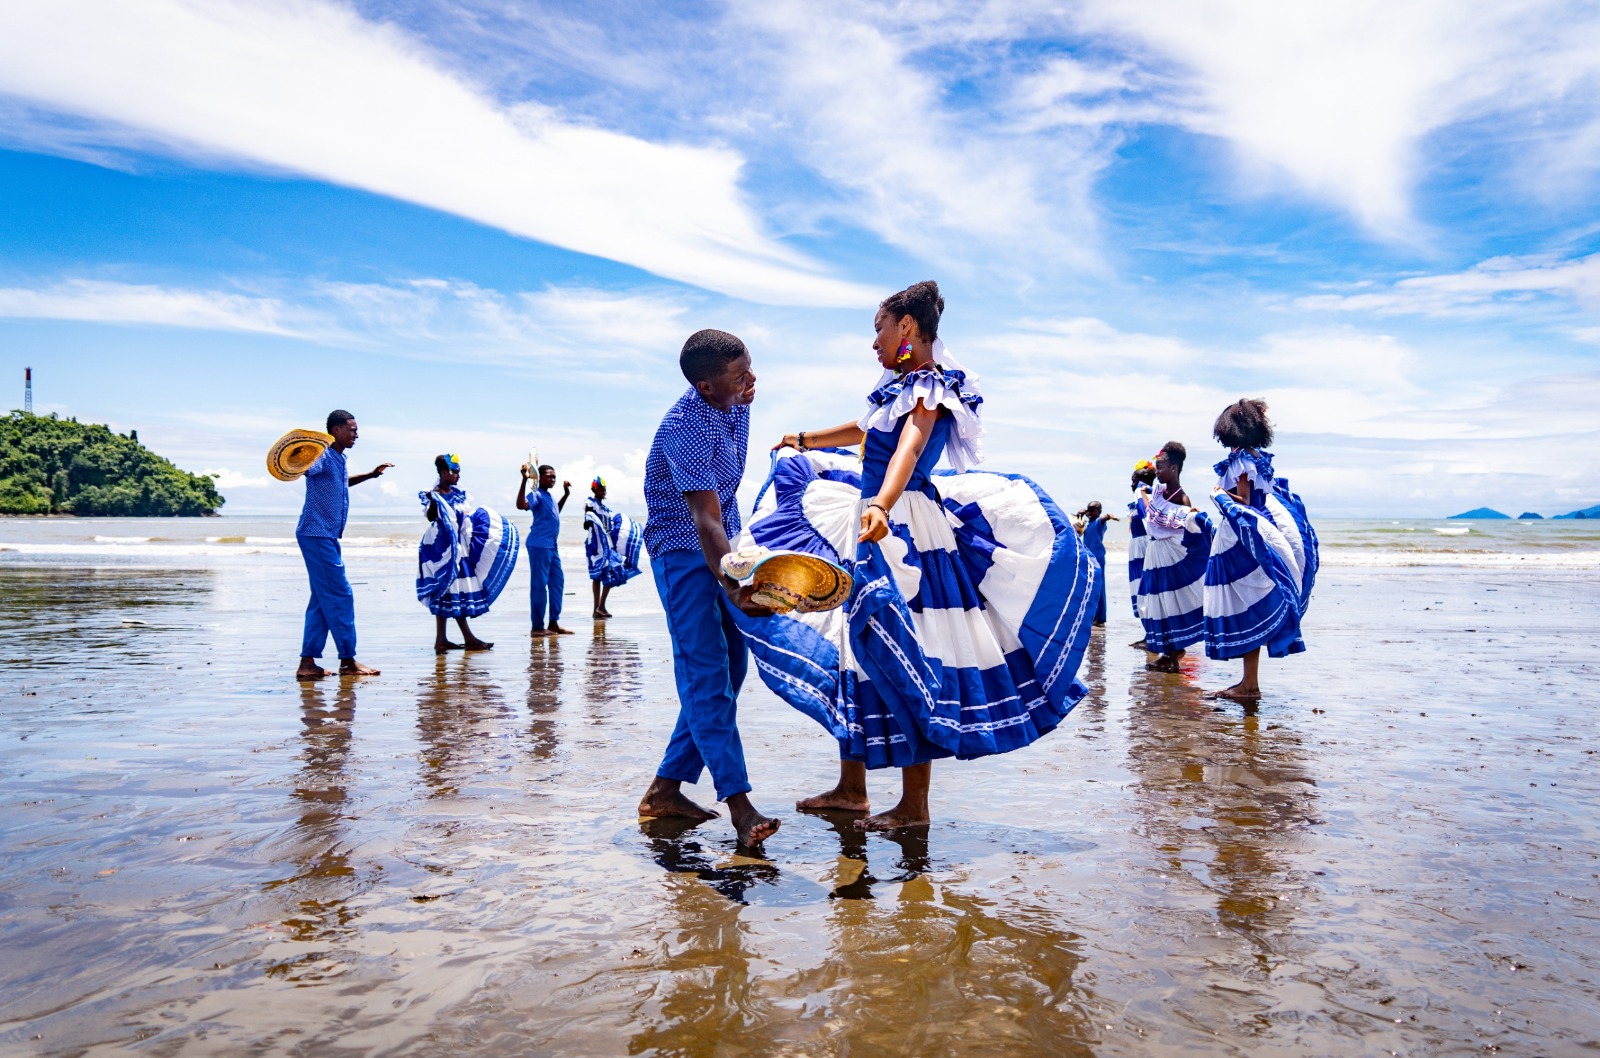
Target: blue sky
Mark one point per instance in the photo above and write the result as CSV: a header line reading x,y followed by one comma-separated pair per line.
x,y
484,226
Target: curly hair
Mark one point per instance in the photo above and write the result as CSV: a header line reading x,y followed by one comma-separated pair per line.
x,y
1175,452
707,353
922,302
1244,424
1144,475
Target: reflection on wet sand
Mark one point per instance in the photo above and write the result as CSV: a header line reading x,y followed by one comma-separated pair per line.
x,y
614,674
456,706
1226,800
545,669
912,964
316,897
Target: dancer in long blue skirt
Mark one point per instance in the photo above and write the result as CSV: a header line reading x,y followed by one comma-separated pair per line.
x,y
1264,553
973,596
1144,472
465,558
1172,577
611,543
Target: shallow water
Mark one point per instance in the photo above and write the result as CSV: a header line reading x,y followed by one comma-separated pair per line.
x,y
1397,853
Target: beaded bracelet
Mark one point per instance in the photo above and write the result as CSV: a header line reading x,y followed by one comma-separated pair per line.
x,y
802,440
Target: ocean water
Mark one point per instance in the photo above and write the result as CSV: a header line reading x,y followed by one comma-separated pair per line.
x,y
1348,543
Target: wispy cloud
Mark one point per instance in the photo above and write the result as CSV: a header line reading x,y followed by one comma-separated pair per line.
x,y
311,88
97,301
573,327
1336,98
1499,284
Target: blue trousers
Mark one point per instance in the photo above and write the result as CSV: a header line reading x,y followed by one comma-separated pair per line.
x,y
1100,603
333,605
709,663
546,584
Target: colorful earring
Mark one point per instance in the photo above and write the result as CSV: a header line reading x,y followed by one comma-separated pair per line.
x,y
905,353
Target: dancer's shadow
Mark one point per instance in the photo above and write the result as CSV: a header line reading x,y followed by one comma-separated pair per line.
x,y
854,876
809,841
733,872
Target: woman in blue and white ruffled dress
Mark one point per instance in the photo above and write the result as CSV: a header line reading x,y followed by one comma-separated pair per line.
x,y
1264,553
973,597
465,557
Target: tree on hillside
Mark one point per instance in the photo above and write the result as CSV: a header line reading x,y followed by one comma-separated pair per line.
x,y
61,466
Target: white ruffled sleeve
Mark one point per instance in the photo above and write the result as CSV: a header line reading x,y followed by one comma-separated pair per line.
x,y
951,392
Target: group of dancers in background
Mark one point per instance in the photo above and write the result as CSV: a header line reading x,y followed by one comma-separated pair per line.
x,y
1239,582
469,551
973,595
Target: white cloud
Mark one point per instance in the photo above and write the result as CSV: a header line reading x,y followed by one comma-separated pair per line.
x,y
105,302
309,87
1336,97
874,116
575,327
228,479
1491,286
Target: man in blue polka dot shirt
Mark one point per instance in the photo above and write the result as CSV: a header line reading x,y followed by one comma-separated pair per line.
x,y
691,482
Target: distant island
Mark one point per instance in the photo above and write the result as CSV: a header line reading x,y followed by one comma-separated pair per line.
x,y
61,466
1490,512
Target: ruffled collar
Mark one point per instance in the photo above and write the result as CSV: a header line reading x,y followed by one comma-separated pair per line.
x,y
1260,460
954,380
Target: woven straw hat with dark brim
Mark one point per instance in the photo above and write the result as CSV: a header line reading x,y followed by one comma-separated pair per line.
x,y
820,584
296,452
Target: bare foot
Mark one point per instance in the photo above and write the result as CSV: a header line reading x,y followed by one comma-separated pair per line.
x,y
479,644
1163,662
607,613
664,800
837,798
752,827
442,645
540,633
894,819
599,615
311,671
1140,644
352,667
1239,693
557,630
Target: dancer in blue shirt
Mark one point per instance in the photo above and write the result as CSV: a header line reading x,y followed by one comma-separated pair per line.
x,y
546,581
332,607
1094,538
691,481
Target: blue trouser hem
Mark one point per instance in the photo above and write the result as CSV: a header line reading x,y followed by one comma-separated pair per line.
x,y
709,664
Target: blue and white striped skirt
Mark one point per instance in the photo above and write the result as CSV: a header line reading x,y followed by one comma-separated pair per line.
x,y
1171,601
1259,577
611,544
966,626
1136,546
464,561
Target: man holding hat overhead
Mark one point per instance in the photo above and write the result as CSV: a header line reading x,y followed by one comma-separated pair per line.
x,y
322,520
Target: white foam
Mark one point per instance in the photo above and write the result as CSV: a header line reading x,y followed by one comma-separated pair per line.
x,y
1454,531
122,539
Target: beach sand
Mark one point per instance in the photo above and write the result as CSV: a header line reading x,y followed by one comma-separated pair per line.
x,y
1396,853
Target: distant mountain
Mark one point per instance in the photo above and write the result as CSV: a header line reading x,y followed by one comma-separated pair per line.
x,y
1482,512
1530,516
1587,512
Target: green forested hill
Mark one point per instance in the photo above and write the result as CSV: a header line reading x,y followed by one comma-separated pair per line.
x,y
61,466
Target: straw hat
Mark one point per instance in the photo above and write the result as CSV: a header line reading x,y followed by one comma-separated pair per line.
x,y
790,580
296,452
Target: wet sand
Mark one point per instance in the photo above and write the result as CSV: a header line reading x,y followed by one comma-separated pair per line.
x,y
1396,853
